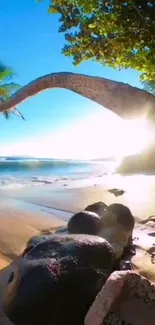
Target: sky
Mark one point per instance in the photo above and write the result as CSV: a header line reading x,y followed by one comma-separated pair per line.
x,y
59,123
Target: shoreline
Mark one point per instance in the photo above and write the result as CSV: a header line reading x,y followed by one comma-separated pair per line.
x,y
27,211
19,222
86,179
60,200
43,210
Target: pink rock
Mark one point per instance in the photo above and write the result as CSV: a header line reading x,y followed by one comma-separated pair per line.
x,y
126,298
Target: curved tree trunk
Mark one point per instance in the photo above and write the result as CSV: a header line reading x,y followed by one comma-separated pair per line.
x,y
122,99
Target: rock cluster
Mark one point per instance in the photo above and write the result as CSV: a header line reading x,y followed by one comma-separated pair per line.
x,y
76,275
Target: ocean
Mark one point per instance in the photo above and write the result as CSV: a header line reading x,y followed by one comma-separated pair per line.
x,y
16,172
27,179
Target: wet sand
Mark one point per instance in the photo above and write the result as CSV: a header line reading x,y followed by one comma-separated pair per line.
x,y
18,222
139,194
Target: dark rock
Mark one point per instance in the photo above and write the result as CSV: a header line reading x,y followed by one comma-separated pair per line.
x,y
117,226
97,207
61,230
57,280
84,222
126,265
35,240
124,215
116,191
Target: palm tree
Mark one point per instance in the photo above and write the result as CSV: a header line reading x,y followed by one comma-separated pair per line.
x,y
122,99
7,88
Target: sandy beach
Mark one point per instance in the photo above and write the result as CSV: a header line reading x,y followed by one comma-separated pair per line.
x,y
17,225
19,222
69,196
25,212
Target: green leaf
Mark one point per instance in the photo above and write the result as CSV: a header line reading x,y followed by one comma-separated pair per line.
x,y
91,26
6,115
7,89
5,74
118,34
53,10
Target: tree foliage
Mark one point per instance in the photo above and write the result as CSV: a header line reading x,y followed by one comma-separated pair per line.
x,y
7,88
117,33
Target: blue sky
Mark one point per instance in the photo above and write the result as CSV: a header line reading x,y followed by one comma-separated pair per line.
x,y
31,44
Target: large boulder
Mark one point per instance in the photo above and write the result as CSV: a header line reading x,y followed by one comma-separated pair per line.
x,y
97,207
115,223
57,280
116,227
126,298
84,222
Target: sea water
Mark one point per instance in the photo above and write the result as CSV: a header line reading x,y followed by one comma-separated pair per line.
x,y
16,172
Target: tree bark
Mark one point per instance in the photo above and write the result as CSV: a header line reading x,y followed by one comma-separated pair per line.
x,y
122,99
